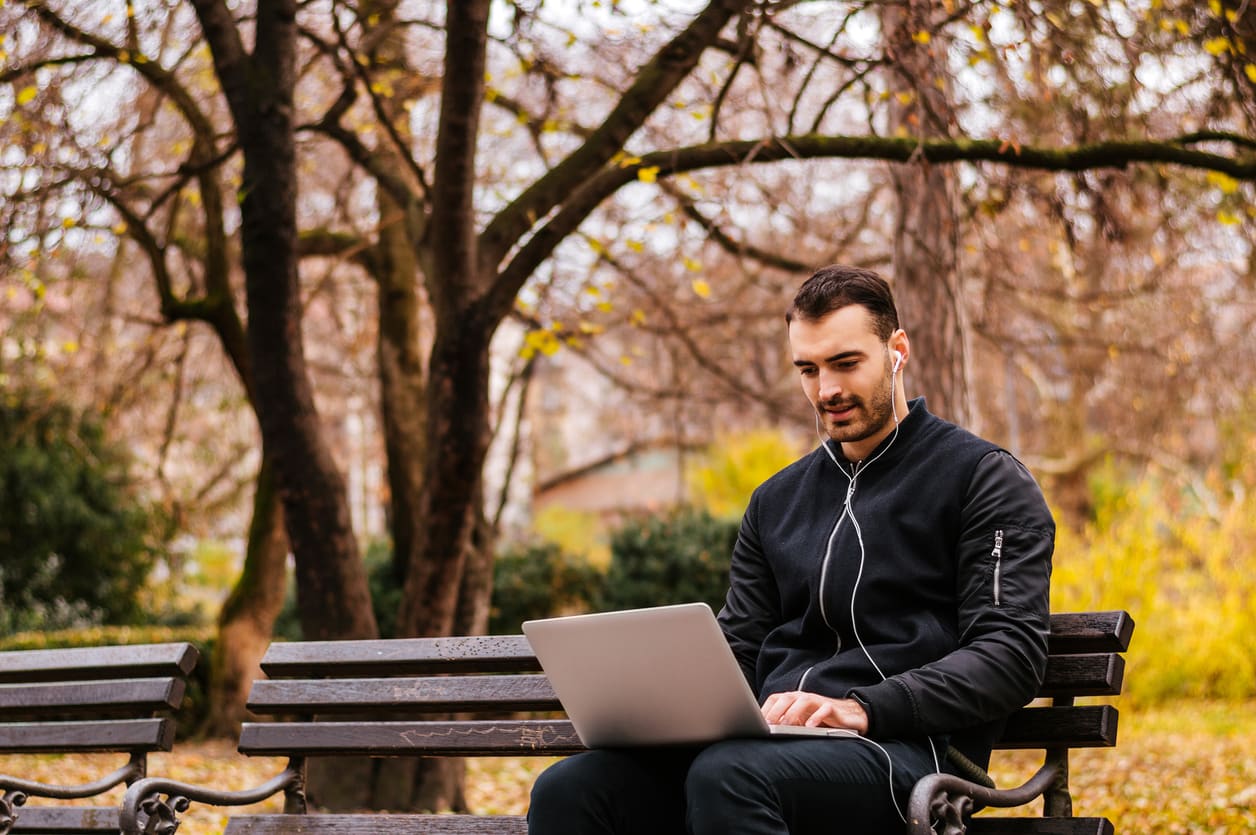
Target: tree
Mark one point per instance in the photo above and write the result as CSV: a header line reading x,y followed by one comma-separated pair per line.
x,y
479,227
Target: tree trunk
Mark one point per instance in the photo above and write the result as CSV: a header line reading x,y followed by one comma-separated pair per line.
x,y
332,593
247,620
458,438
926,268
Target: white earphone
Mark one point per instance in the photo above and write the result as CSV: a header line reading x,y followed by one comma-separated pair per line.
x,y
898,360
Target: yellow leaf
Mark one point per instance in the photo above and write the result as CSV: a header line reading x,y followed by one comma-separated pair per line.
x,y
701,289
637,318
1215,6
1227,184
692,265
67,223
1227,218
1217,46
921,37
636,246
27,95
605,307
906,97
69,347
648,174
543,341
625,360
1250,70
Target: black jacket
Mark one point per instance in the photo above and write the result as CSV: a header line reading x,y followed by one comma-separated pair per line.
x,y
932,604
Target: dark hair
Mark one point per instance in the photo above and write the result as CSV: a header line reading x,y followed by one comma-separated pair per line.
x,y
836,286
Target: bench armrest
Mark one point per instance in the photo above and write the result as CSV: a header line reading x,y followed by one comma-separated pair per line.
x,y
950,799
15,791
145,813
14,786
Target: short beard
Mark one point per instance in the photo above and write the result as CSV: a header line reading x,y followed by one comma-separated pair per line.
x,y
878,413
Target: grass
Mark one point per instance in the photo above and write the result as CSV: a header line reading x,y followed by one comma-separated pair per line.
x,y
1186,768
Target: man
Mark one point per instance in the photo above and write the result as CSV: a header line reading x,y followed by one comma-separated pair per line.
x,y
894,582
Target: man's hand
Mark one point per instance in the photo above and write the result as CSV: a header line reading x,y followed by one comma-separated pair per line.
x,y
813,710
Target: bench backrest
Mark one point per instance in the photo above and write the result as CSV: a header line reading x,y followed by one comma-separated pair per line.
x,y
86,700
328,686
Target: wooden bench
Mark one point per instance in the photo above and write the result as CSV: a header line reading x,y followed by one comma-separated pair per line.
x,y
115,699
328,686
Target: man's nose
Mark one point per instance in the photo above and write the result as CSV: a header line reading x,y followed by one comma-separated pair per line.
x,y
830,387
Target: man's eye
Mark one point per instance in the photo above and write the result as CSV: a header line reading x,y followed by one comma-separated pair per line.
x,y
807,372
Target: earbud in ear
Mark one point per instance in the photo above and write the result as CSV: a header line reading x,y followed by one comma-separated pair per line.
x,y
898,360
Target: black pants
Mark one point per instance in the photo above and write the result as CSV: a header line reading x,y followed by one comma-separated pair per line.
x,y
798,786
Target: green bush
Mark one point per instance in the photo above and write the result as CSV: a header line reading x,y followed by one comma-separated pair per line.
x,y
680,557
539,580
77,544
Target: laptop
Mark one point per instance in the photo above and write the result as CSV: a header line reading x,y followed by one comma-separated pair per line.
x,y
658,676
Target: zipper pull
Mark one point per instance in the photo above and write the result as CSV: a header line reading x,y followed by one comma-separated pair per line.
x,y
997,553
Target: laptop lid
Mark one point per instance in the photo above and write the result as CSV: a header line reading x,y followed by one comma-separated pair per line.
x,y
657,676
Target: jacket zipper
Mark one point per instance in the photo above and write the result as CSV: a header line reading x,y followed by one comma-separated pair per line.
x,y
997,553
824,569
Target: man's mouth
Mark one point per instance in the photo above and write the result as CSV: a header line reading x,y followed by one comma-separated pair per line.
x,y
840,411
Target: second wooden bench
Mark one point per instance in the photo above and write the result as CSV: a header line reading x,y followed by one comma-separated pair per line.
x,y
91,700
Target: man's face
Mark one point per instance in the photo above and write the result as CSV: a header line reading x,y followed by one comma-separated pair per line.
x,y
847,375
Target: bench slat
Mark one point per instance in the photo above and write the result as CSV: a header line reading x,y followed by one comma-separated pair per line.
x,y
136,695
1071,632
1081,632
443,694
1085,726
46,820
373,824
1040,826
401,657
1089,726
1072,675
84,663
114,735
1100,674
528,737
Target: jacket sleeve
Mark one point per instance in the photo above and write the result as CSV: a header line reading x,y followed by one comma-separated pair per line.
x,y
1002,591
752,605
